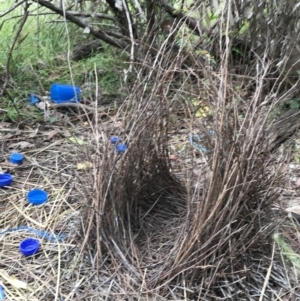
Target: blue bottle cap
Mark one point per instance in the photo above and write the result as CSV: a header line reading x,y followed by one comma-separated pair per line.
x,y
29,246
5,179
121,148
114,139
37,196
16,158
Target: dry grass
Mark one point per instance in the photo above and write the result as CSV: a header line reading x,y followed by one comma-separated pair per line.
x,y
51,273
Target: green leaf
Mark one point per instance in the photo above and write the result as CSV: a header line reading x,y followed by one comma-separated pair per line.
x,y
294,105
76,140
52,119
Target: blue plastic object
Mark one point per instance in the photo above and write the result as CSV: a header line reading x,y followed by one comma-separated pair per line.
x,y
114,139
41,233
5,179
33,99
29,246
2,292
37,196
16,158
195,140
60,93
121,148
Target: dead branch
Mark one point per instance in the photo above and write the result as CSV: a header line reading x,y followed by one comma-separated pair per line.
x,y
97,32
12,8
7,65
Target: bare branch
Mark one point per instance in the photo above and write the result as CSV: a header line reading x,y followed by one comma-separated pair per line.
x,y
98,33
89,14
130,28
150,20
122,18
7,71
192,23
12,8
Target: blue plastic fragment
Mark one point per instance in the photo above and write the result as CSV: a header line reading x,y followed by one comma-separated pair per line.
x,y
41,233
195,140
121,148
2,292
114,139
33,99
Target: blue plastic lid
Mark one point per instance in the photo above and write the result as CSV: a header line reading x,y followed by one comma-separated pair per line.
x,y
37,196
16,158
5,179
121,148
29,246
114,139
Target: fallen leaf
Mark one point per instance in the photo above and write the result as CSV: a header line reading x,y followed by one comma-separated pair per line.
x,y
21,145
294,209
50,135
174,157
52,119
34,133
16,282
66,133
53,76
12,280
41,105
4,125
8,136
76,140
84,165
86,30
8,165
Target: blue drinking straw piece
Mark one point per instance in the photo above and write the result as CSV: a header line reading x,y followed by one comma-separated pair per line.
x,y
41,233
195,140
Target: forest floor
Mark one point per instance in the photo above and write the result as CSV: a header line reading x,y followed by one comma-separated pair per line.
x,y
59,160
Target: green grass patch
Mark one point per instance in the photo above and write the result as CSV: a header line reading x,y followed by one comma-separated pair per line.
x,y
40,56
287,251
